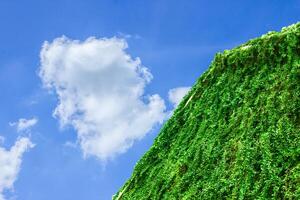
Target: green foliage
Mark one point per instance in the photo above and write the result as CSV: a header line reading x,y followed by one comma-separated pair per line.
x,y
236,135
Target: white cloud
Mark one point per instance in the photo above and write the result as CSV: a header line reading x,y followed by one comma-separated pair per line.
x,y
176,94
100,91
70,144
129,36
24,124
10,163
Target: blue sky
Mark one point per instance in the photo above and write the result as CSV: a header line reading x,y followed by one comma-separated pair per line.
x,y
174,41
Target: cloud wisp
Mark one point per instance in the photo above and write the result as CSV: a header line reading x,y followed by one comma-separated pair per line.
x,y
176,95
100,90
24,125
10,163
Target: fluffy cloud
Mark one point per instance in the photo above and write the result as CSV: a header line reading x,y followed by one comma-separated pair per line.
x,y
10,162
24,124
100,91
176,94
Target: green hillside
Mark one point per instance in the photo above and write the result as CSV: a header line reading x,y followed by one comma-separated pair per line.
x,y
236,135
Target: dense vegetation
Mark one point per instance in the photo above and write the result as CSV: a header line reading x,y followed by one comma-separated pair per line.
x,y
236,135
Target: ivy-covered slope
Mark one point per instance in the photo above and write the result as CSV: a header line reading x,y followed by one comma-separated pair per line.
x,y
236,135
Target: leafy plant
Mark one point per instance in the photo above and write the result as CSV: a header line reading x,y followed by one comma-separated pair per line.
x,y
236,135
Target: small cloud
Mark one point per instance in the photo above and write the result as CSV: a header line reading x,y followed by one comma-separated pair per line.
x,y
70,144
10,163
177,94
101,93
129,36
24,125
124,35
